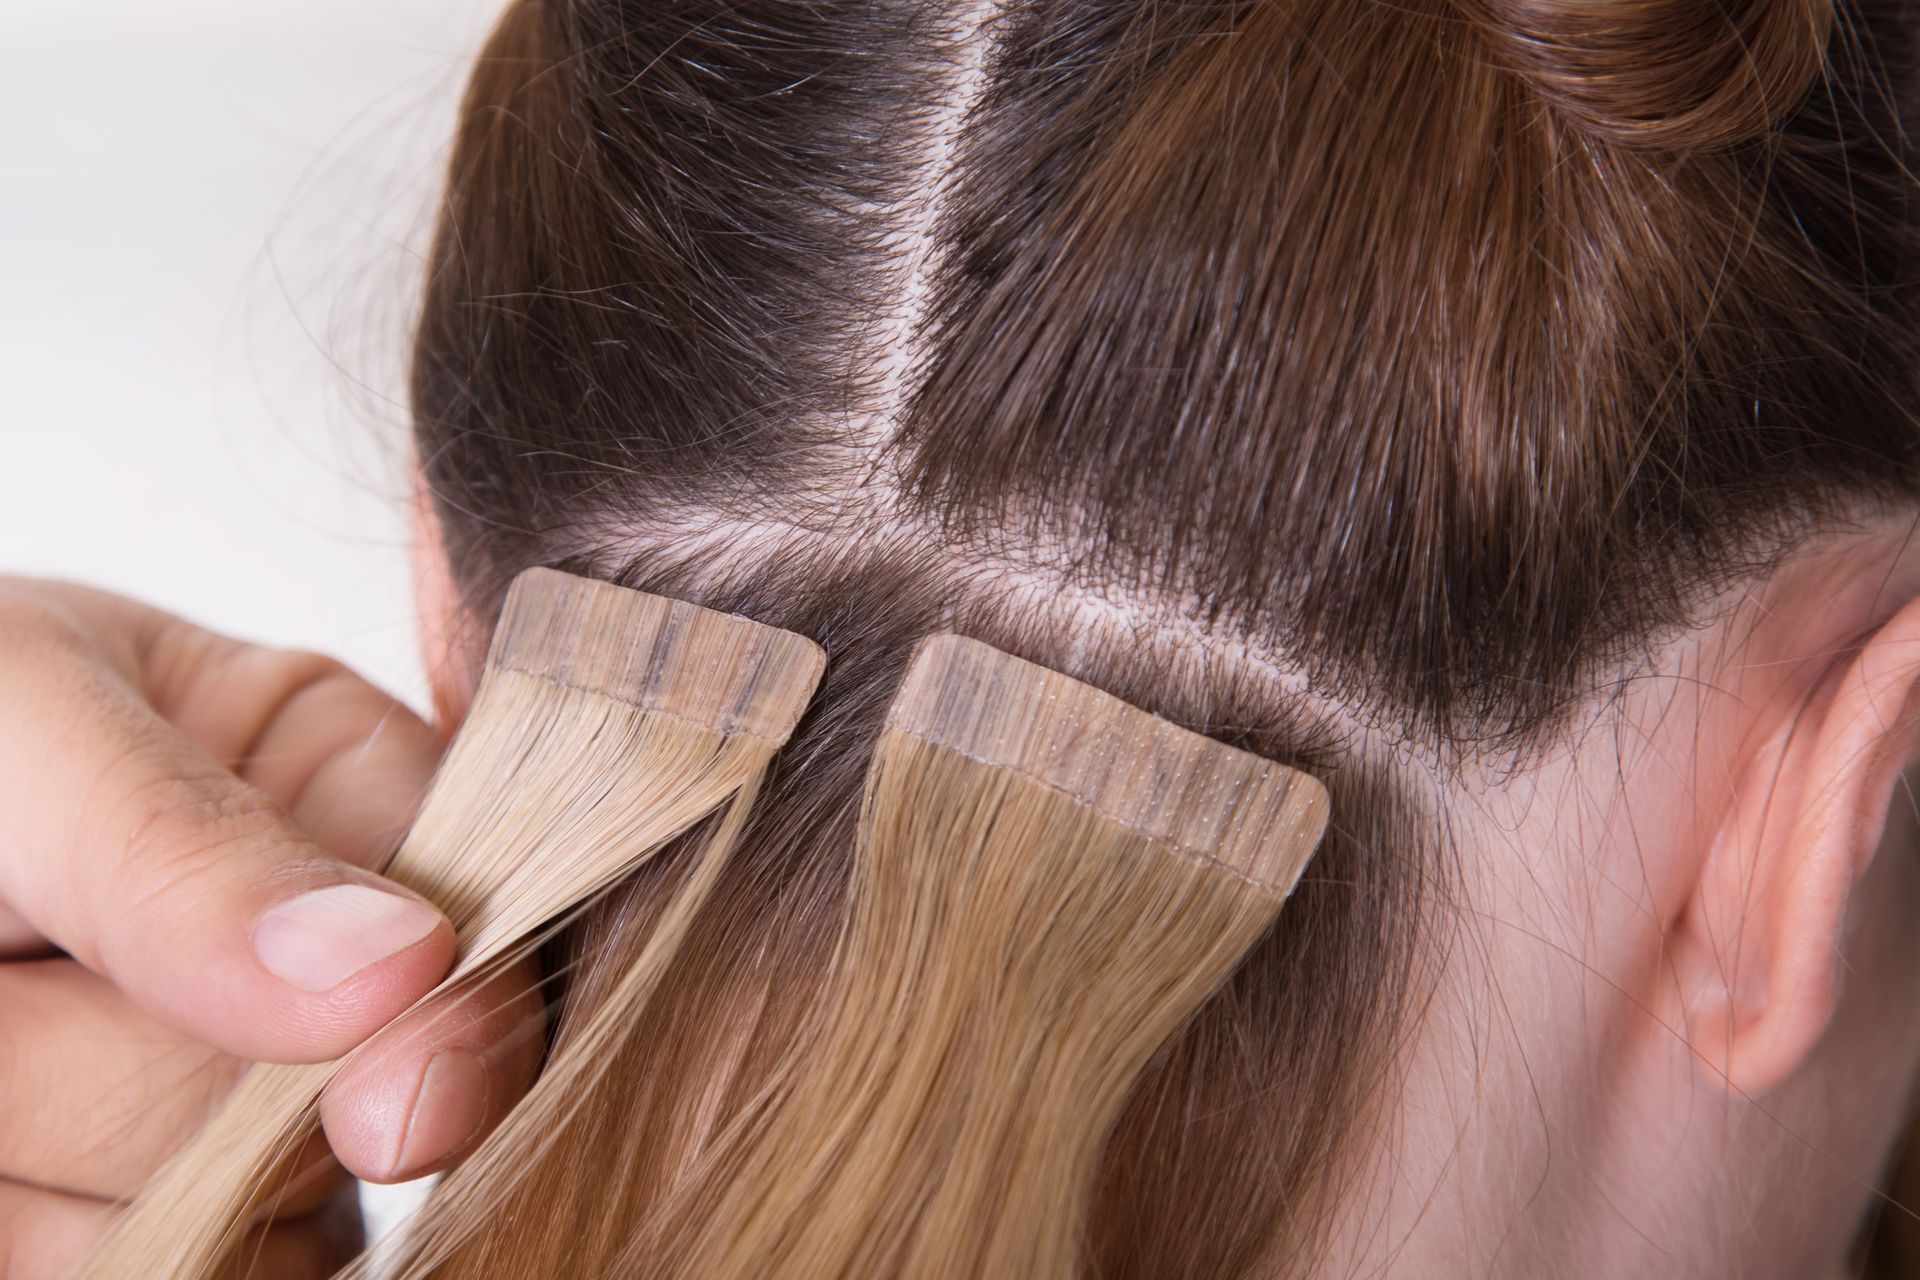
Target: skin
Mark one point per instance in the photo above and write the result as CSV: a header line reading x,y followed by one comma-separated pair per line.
x,y
1674,1030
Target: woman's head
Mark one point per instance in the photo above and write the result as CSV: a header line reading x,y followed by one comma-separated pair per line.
x,y
1500,409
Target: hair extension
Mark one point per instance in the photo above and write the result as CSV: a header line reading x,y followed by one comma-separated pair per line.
x,y
607,723
1048,883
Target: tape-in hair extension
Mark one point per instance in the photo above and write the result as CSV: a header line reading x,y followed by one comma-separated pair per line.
x,y
1048,883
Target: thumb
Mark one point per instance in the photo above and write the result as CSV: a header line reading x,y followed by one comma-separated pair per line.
x,y
148,861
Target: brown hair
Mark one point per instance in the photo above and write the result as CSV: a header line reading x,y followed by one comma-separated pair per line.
x,y
1364,385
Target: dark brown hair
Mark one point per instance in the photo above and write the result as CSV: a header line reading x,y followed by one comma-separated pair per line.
x,y
1363,384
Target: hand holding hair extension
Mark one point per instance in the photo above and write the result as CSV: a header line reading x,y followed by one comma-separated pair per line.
x,y
607,723
1049,883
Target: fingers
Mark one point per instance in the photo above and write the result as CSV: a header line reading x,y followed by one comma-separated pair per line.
x,y
18,939
146,859
427,1089
363,763
97,1095
175,803
45,1234
349,762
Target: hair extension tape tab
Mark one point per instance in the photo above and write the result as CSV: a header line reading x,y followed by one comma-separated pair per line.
x,y
1250,816
729,673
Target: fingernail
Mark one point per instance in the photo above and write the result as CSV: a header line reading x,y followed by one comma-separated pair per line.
x,y
321,938
447,1112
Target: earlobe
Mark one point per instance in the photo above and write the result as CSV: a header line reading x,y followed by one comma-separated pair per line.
x,y
1756,954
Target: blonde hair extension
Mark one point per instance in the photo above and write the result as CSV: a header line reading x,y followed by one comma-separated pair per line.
x,y
1049,883
607,722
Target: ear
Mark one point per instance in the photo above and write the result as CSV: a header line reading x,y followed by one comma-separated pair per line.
x,y
451,672
1757,950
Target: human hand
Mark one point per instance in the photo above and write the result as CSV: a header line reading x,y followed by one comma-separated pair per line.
x,y
192,821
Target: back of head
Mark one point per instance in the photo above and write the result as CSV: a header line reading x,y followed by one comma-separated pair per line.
x,y
1365,385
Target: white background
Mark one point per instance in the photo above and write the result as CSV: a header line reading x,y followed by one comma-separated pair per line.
x,y
211,213
210,219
